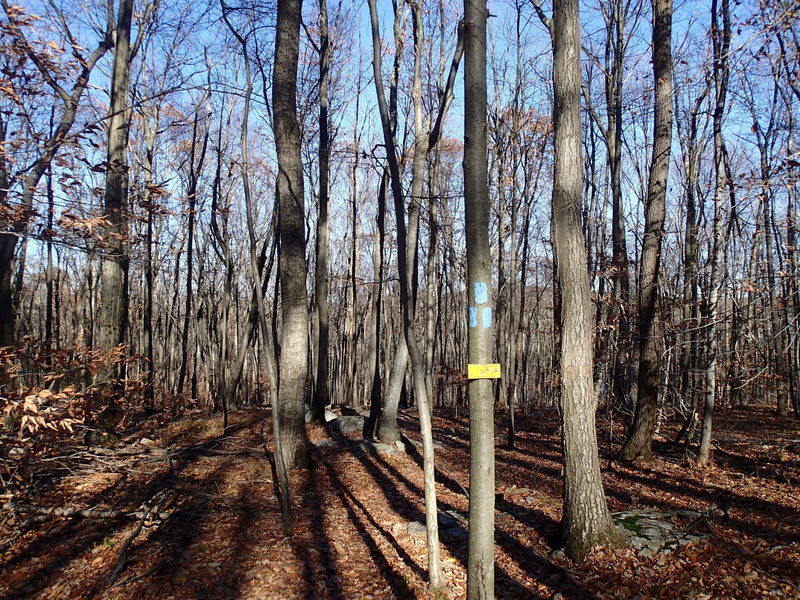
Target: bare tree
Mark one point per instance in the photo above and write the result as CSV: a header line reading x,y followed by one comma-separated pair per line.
x,y
31,174
405,257
114,278
480,567
638,444
721,40
586,522
293,370
321,276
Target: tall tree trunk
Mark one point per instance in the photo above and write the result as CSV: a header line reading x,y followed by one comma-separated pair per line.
x,y
793,304
191,194
114,279
638,444
721,43
321,286
259,303
350,328
690,309
150,118
48,325
294,312
586,522
387,428
480,561
622,371
405,257
376,391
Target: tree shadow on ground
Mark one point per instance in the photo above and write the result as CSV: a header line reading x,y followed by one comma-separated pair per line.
x,y
66,542
316,555
351,504
777,469
722,498
387,477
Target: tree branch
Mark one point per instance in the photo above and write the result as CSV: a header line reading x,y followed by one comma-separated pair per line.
x,y
446,96
546,21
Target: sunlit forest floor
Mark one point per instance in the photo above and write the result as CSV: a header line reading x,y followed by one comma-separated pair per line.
x,y
219,531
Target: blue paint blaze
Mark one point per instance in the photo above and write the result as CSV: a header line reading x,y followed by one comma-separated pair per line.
x,y
487,317
472,312
481,293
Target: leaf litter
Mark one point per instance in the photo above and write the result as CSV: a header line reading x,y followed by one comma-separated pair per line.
x,y
217,533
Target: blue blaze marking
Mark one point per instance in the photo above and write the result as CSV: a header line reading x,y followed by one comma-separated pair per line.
x,y
472,312
487,317
481,293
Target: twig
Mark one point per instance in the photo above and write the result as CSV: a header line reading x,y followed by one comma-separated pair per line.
x,y
133,578
123,552
90,513
215,452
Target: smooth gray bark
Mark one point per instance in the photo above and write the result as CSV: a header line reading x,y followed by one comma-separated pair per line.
x,y
480,557
405,257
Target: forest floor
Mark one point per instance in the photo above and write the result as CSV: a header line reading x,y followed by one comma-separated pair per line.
x,y
209,527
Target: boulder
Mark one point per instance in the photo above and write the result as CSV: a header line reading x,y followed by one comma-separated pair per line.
x,y
329,415
378,448
347,424
416,528
652,531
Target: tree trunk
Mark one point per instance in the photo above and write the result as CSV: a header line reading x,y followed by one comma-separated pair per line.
x,y
690,312
150,117
375,412
191,194
638,444
721,43
480,561
114,279
622,371
321,285
293,370
586,522
405,257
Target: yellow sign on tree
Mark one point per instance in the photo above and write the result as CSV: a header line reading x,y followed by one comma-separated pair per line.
x,y
484,371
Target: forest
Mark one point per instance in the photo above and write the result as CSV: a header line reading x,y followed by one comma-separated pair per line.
x,y
382,299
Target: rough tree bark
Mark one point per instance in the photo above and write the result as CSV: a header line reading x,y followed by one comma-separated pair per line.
x,y
375,379
114,278
721,39
387,429
586,522
321,285
293,370
692,150
195,169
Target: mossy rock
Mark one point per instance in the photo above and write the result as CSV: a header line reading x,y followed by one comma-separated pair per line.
x,y
652,531
630,522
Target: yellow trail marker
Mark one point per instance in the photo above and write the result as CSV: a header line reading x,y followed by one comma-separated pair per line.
x,y
486,371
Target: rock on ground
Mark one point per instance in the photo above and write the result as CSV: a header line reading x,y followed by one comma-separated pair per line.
x,y
378,448
347,424
651,531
